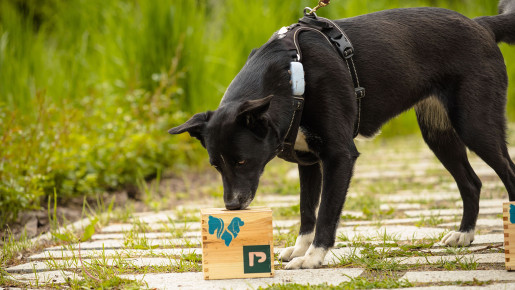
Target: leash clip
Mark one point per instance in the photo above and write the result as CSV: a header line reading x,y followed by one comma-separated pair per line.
x,y
310,12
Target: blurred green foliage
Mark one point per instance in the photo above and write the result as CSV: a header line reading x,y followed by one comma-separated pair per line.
x,y
88,88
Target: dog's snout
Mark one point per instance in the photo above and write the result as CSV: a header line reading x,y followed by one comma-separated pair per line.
x,y
233,204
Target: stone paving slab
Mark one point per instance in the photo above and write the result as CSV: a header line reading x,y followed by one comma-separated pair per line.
x,y
276,205
420,165
496,286
278,198
120,228
114,253
496,203
399,206
387,174
196,280
382,222
452,276
451,212
423,196
189,226
118,244
76,264
353,214
159,235
469,258
488,239
394,231
490,223
152,217
153,235
51,277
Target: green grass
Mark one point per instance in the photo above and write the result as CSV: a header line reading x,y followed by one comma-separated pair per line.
x,y
11,247
459,263
287,212
429,221
286,237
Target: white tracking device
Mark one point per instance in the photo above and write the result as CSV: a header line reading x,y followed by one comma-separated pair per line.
x,y
297,78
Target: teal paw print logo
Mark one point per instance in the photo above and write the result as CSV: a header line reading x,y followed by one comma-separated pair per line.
x,y
229,234
512,213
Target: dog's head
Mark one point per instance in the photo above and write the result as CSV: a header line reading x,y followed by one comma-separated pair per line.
x,y
242,135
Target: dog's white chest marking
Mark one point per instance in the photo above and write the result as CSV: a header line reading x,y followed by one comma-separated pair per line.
x,y
300,142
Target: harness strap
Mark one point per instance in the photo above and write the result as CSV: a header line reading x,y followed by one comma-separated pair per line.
x,y
287,150
342,43
337,38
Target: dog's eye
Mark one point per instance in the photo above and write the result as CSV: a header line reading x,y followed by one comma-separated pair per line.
x,y
242,162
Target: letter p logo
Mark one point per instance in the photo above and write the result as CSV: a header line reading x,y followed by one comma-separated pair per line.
x,y
256,259
261,255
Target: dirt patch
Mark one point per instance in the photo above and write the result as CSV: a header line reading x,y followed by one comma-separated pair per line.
x,y
173,190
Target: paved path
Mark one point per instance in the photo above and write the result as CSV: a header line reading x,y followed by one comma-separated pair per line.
x,y
400,204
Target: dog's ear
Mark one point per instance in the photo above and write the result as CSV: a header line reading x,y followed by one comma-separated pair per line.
x,y
255,108
252,53
194,125
252,115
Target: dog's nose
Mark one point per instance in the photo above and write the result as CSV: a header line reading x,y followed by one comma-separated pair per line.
x,y
233,204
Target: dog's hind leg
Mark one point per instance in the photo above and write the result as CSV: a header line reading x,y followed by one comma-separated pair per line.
x,y
483,129
310,189
441,138
477,116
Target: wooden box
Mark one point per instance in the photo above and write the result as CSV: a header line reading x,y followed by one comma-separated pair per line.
x,y
237,243
508,217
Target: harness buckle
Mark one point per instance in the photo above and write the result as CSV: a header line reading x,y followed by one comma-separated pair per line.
x,y
348,52
360,92
344,46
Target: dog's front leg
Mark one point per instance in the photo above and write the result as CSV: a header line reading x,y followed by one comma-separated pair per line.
x,y
310,189
337,172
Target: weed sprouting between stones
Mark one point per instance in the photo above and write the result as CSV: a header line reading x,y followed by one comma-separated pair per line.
x,y
175,229
370,257
135,240
459,263
11,248
429,221
286,237
287,212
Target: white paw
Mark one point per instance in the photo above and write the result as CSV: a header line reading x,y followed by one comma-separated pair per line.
x,y
458,239
313,258
300,248
286,254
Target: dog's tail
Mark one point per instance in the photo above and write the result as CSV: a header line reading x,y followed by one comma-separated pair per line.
x,y
502,26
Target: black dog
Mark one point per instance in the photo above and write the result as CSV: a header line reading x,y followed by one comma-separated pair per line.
x,y
445,65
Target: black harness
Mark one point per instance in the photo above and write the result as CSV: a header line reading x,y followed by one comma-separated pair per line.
x,y
337,38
